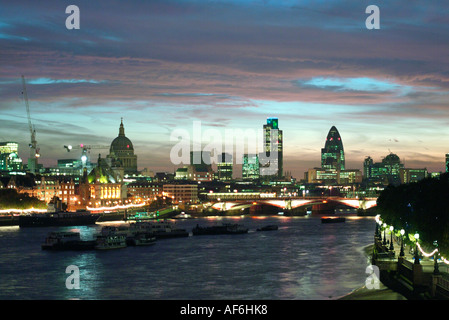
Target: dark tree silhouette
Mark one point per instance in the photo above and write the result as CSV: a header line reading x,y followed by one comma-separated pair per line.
x,y
421,207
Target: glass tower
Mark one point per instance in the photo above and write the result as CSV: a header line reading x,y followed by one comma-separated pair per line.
x,y
333,155
273,142
250,167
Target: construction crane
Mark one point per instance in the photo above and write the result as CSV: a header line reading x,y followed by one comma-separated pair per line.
x,y
34,150
85,149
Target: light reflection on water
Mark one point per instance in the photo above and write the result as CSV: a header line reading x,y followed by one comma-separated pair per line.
x,y
304,259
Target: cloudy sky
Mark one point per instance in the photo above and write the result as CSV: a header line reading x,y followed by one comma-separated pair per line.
x,y
162,65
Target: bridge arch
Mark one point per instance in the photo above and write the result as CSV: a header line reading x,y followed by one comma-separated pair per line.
x,y
288,203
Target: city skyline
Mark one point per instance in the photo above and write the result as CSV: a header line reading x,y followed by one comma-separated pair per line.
x,y
230,64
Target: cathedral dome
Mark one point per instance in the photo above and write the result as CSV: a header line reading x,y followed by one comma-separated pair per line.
x,y
121,153
121,143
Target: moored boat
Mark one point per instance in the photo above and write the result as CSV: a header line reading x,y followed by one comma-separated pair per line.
x,y
219,229
141,239
8,219
183,215
160,229
332,219
66,241
54,219
110,239
268,228
111,216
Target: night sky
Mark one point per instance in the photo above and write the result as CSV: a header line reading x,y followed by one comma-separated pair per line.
x,y
161,65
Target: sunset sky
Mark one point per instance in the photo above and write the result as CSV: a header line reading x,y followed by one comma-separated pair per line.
x,y
161,65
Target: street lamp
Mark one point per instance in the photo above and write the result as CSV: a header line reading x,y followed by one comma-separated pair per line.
x,y
376,233
436,270
416,249
391,238
385,236
402,243
379,230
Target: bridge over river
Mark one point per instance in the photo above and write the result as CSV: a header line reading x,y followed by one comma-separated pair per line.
x,y
226,202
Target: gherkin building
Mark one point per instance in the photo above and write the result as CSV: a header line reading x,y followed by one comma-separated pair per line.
x,y
333,155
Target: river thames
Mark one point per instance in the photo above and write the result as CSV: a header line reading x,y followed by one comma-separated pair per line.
x,y
302,260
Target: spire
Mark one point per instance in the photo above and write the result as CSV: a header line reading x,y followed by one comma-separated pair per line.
x,y
121,131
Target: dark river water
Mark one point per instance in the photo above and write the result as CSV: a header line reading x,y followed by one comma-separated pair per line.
x,y
304,259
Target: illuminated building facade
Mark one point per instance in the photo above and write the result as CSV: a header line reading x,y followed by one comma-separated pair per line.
x,y
224,167
9,157
183,173
250,167
9,147
332,170
194,173
46,188
387,171
143,191
447,162
101,187
121,153
181,193
408,175
200,168
368,164
273,150
350,176
321,176
333,155
11,162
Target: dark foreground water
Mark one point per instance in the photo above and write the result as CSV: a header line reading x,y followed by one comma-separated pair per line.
x,y
304,259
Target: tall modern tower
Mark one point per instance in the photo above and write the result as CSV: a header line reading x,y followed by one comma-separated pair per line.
x,y
333,155
224,167
368,164
273,150
447,162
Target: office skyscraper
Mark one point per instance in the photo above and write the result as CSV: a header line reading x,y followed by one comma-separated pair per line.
x,y
368,164
333,155
273,150
9,157
447,162
224,167
250,167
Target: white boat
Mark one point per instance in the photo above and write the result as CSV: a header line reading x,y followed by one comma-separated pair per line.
x,y
160,229
141,239
182,215
105,242
110,239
